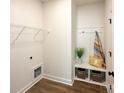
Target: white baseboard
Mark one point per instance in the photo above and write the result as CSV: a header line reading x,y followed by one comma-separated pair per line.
x,y
28,86
58,79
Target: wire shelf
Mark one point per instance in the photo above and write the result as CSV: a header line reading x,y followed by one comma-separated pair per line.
x,y
27,30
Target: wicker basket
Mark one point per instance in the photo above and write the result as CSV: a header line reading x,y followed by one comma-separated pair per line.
x,y
98,76
81,73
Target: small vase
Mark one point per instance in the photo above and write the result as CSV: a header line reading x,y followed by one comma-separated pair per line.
x,y
79,61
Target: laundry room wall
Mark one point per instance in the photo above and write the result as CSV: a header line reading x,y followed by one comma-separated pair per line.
x,y
57,48
24,13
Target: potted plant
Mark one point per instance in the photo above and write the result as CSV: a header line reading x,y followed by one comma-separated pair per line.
x,y
79,54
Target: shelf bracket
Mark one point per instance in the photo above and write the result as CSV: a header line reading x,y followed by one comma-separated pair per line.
x,y
36,34
19,34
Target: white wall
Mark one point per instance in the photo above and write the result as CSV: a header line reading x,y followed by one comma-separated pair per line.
x,y
27,13
57,49
89,15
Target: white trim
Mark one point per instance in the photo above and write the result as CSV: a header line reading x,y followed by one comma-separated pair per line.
x,y
28,86
72,82
90,67
107,87
58,79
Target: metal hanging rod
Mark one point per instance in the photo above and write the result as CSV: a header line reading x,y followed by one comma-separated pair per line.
x,y
16,25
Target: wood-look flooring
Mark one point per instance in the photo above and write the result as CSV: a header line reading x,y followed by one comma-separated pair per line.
x,y
48,86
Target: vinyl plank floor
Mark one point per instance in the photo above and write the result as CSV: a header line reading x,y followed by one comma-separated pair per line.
x,y
48,86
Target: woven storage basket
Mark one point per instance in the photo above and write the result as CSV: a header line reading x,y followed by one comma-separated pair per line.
x,y
98,76
81,73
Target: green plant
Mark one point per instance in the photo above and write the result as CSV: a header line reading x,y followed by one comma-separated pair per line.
x,y
79,52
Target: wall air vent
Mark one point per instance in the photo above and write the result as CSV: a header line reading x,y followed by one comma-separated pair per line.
x,y
37,71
